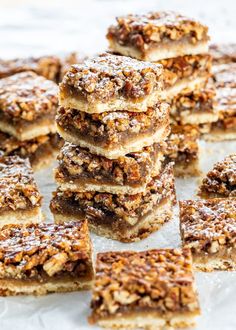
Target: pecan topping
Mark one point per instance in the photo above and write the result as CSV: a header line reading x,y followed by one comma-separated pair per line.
x,y
159,280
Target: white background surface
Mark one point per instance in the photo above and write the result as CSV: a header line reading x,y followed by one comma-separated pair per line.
x,y
47,27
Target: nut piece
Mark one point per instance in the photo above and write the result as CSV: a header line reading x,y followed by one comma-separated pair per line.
x,y
55,263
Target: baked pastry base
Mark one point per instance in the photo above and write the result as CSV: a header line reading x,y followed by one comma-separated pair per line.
x,y
10,287
149,223
217,134
207,263
168,50
33,215
149,321
30,132
67,100
135,145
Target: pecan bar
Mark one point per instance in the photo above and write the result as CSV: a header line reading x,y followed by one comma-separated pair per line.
x,y
183,150
28,105
114,134
189,71
157,35
223,53
152,289
46,66
225,81
208,228
20,200
40,150
43,258
79,170
123,217
221,180
109,82
195,107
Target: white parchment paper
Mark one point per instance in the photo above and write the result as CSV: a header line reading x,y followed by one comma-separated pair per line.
x,y
46,27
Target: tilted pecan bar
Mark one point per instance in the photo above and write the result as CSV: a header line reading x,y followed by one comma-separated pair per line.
x,y
28,104
195,107
189,71
157,35
44,258
109,82
114,134
208,228
123,217
46,66
225,82
223,53
40,150
20,200
79,170
183,150
221,180
152,289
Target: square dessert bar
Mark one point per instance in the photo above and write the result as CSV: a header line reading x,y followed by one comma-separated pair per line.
x,y
79,170
40,150
223,53
28,105
43,258
195,107
208,228
189,71
20,200
183,150
225,81
221,180
157,35
152,289
114,134
109,82
123,217
46,66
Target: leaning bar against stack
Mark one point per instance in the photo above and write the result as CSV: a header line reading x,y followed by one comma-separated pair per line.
x,y
111,83
208,228
123,217
43,258
80,170
152,289
180,44
20,200
156,36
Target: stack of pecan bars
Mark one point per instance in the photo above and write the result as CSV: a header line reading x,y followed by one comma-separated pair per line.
x,y
28,104
111,167
180,44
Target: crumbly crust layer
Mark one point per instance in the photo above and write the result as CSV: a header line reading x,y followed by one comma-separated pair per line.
x,y
223,53
155,280
108,77
208,227
78,166
144,32
46,66
115,210
18,187
185,67
221,180
38,252
27,96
